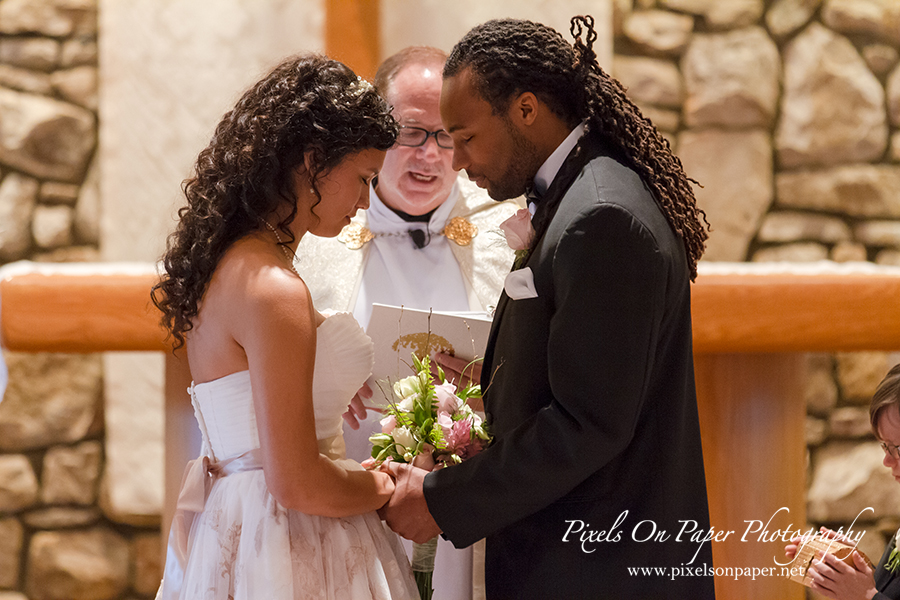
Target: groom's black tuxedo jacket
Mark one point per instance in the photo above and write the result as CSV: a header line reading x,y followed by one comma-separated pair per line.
x,y
589,392
887,583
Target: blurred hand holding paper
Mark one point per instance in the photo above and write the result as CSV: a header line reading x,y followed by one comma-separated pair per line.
x,y
807,553
398,331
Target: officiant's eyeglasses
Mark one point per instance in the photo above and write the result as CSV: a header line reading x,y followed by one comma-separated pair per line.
x,y
416,136
892,451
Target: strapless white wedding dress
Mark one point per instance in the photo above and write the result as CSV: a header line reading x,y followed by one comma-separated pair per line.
x,y
231,540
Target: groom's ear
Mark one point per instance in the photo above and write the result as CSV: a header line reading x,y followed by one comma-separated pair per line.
x,y
524,109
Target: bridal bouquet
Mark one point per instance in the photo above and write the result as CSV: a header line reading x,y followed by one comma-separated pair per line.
x,y
428,425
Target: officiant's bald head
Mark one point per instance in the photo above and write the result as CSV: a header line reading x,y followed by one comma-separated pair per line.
x,y
417,175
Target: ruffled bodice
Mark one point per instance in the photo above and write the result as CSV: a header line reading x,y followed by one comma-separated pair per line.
x,y
224,406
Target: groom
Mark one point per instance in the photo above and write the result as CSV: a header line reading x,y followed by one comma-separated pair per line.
x,y
589,386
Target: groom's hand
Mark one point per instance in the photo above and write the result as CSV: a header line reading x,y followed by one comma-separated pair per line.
x,y
407,512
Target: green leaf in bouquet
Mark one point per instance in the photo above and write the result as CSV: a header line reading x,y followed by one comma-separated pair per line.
x,y
405,419
470,391
418,364
380,439
382,454
395,454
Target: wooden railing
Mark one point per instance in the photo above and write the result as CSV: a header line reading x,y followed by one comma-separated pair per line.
x,y
103,307
749,322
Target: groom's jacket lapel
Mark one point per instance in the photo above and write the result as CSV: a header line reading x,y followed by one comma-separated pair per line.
x,y
588,148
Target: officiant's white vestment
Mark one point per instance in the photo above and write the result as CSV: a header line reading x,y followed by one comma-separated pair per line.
x,y
337,273
444,275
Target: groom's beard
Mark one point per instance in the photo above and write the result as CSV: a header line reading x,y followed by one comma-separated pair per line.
x,y
522,164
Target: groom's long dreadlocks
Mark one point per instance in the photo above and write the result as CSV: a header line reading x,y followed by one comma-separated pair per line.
x,y
509,56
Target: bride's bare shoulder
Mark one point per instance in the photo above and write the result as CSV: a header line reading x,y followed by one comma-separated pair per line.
x,y
254,271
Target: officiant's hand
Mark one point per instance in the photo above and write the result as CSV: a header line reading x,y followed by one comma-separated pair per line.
x,y
461,373
407,512
357,409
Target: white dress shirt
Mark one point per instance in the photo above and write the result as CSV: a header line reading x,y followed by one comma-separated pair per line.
x,y
547,173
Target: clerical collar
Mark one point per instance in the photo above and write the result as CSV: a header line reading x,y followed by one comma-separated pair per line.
x,y
383,219
413,218
387,223
547,173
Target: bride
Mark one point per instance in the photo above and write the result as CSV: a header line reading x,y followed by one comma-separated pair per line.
x,y
273,509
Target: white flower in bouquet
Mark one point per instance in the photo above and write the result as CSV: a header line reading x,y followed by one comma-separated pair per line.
x,y
404,439
407,387
407,404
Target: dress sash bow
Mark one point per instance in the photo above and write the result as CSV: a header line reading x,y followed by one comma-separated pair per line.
x,y
199,475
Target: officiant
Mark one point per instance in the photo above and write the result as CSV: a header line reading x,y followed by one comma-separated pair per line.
x,y
429,239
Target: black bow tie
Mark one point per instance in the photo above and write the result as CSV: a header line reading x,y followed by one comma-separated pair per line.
x,y
532,195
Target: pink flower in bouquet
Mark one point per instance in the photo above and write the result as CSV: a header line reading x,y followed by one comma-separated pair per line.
x,y
518,230
425,460
388,423
445,422
460,436
446,397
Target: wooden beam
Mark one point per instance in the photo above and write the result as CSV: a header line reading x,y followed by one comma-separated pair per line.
x,y
352,34
46,312
796,313
71,312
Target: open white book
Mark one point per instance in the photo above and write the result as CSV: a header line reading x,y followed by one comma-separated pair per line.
x,y
398,332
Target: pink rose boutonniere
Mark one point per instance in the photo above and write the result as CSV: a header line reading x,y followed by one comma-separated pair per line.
x,y
519,235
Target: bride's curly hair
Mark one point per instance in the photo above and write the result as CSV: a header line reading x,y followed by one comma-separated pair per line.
x,y
309,104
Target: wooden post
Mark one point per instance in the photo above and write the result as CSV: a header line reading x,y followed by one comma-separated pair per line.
x,y
182,434
352,34
752,422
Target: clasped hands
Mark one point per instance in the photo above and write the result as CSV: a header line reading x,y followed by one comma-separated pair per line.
x,y
406,513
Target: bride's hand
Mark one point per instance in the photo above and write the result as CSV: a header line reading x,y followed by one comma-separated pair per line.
x,y
357,409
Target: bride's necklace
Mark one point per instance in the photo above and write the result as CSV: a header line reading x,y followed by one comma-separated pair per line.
x,y
282,246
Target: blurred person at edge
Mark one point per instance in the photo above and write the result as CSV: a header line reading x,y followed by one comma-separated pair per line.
x,y
836,579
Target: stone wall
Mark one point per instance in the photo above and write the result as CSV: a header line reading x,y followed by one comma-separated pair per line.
x,y
56,541
787,112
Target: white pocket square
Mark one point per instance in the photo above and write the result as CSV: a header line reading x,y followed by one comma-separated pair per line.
x,y
519,284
